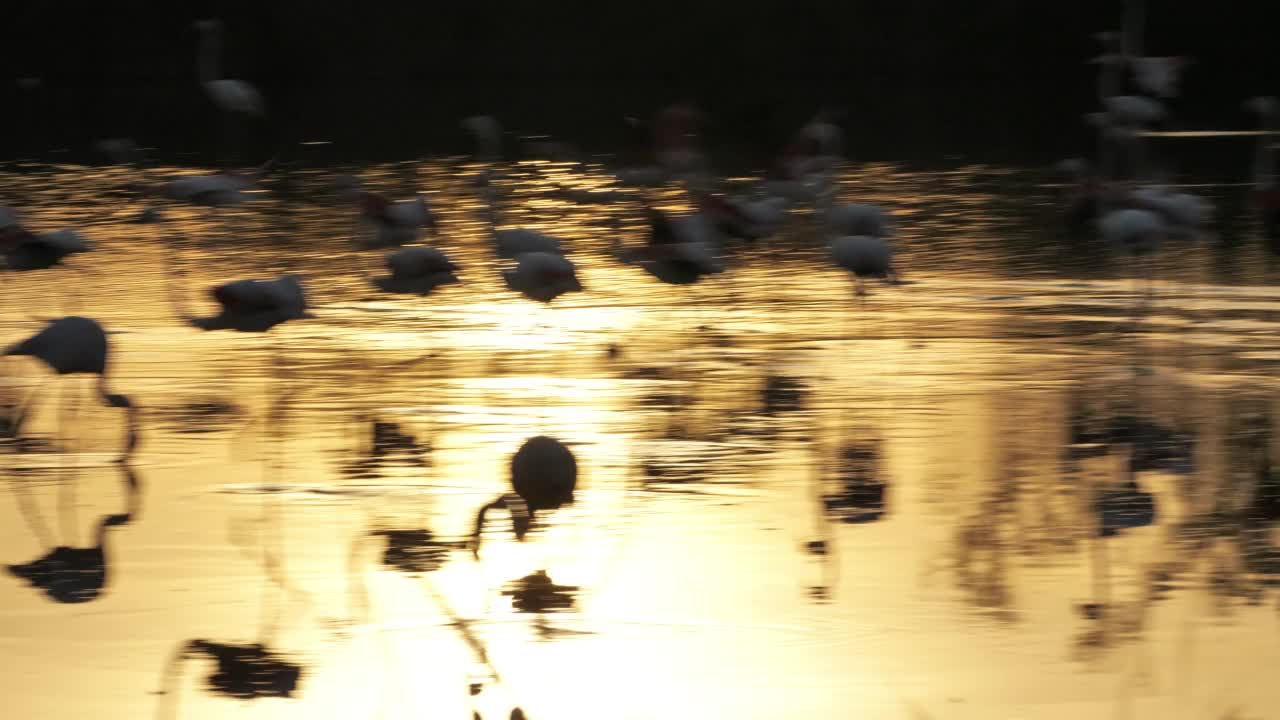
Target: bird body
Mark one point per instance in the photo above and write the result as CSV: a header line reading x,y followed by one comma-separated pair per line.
x,y
1134,230
235,96
858,219
256,305
513,242
680,250
67,345
1134,110
865,256
395,223
213,191
416,271
1182,212
78,345
230,95
23,250
544,473
544,476
542,276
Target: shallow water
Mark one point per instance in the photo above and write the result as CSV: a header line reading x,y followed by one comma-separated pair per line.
x,y
721,560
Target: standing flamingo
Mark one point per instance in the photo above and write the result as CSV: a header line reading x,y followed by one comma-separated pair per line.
x,y
416,271
229,94
542,276
394,223
24,250
252,305
508,242
235,99
544,474
680,251
78,345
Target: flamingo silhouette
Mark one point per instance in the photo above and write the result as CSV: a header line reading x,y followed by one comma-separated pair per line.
x,y
544,474
78,345
416,271
394,223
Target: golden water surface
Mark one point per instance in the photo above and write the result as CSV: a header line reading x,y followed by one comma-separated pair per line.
x,y
719,560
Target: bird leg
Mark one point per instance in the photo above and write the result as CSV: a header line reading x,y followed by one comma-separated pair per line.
x,y
66,486
32,515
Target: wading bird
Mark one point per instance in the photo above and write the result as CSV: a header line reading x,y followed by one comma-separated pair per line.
x,y
78,345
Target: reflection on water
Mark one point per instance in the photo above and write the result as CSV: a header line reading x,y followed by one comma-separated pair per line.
x,y
997,491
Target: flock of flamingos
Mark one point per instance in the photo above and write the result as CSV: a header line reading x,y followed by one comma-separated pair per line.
x,y
1122,195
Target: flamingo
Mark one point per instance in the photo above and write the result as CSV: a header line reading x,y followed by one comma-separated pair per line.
x,y
742,218
675,149
215,190
858,219
542,276
24,250
1136,232
1184,214
544,474
679,251
416,271
78,345
859,235
252,305
395,223
864,256
509,243
816,148
230,95
1266,184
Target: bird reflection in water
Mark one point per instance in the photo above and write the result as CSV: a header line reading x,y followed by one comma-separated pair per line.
x,y
849,490
782,393
856,491
414,550
247,671
537,593
68,574
385,444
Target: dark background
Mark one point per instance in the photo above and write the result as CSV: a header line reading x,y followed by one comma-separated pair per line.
x,y
920,79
